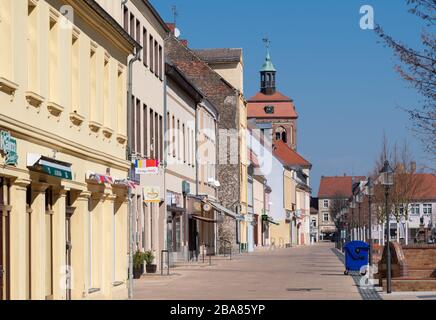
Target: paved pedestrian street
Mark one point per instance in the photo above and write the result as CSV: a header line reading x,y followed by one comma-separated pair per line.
x,y
311,272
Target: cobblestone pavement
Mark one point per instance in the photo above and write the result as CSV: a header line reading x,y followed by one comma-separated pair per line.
x,y
367,292
312,272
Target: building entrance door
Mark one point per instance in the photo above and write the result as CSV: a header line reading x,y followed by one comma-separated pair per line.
x,y
69,247
4,239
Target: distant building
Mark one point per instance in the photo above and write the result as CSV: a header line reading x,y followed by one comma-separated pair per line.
x,y
314,203
330,189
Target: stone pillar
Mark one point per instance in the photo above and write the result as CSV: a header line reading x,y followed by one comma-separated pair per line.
x,y
37,241
59,245
18,258
80,247
97,241
107,262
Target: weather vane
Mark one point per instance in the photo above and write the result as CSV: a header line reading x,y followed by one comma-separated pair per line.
x,y
267,42
175,14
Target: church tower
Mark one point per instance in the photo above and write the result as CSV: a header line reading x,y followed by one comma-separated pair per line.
x,y
271,110
268,76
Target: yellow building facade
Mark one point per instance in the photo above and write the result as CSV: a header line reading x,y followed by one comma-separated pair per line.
x,y
63,168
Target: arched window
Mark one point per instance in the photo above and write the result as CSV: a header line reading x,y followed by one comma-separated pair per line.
x,y
281,134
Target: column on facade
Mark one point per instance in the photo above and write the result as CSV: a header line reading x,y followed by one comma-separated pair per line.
x,y
96,241
59,245
121,236
107,262
37,240
80,246
19,273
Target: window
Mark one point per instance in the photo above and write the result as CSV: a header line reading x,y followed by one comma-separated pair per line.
x,y
49,243
150,47
281,134
314,223
75,103
53,58
414,209
156,58
32,46
184,143
6,9
160,63
326,203
427,209
132,25
106,107
144,44
325,217
152,137
161,144
93,84
126,19
173,129
168,134
145,126
138,126
156,136
179,151
138,31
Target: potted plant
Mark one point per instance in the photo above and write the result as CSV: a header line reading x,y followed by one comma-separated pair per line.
x,y
138,264
149,259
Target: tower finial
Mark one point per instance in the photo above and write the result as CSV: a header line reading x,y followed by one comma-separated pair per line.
x,y
267,42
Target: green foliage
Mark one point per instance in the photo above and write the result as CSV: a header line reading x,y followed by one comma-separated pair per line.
x,y
138,259
149,257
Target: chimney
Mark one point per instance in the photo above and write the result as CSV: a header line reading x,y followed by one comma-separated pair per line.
x,y
172,27
184,42
413,166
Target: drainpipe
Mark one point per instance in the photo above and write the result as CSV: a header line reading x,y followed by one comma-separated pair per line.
x,y
129,157
197,183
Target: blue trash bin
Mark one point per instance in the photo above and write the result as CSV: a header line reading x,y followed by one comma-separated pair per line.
x,y
356,256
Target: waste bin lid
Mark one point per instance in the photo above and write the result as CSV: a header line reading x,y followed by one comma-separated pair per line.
x,y
356,244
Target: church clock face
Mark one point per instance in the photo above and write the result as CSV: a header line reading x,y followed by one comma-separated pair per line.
x,y
269,109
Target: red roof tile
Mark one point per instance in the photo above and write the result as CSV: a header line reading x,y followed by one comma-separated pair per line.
x,y
288,156
278,96
331,187
427,187
283,106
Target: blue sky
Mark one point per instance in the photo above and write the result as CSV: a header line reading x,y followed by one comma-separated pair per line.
x,y
341,79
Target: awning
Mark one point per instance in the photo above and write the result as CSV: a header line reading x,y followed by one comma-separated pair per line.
x,y
207,220
52,167
176,209
222,209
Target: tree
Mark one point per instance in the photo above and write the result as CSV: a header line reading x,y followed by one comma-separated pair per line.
x,y
417,67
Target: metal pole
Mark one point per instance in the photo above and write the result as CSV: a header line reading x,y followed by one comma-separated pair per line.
x,y
129,157
388,250
370,230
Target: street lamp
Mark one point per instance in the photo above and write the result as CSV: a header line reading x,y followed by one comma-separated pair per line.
x,y
352,206
387,180
369,191
359,229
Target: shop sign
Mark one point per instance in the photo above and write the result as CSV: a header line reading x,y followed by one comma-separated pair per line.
x,y
151,194
147,166
8,146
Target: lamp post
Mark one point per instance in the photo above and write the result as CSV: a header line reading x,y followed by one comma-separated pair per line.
x,y
352,206
387,180
369,190
359,202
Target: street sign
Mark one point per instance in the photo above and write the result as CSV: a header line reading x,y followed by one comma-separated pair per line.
x,y
151,194
8,146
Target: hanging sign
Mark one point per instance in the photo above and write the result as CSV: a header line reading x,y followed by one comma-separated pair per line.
x,y
147,166
151,194
8,146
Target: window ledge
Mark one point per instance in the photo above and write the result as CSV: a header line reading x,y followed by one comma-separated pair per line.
x,y
8,86
34,99
55,109
95,126
76,119
93,290
108,132
121,138
117,283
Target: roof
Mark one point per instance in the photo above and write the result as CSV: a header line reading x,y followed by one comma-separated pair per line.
x,y
178,77
268,65
253,159
289,157
334,187
221,55
112,22
156,15
283,106
427,187
276,97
